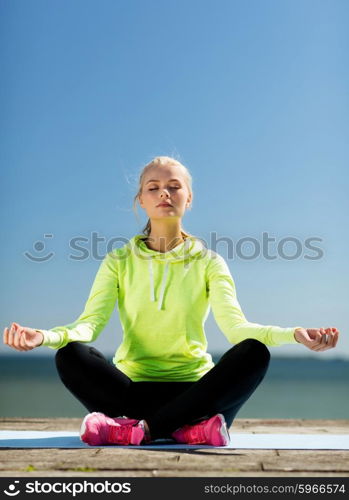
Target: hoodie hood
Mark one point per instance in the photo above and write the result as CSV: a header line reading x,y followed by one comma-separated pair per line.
x,y
189,250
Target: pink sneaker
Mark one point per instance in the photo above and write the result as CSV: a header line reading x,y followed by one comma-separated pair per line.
x,y
97,428
212,431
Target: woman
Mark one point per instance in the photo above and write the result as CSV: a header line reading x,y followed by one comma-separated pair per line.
x,y
162,382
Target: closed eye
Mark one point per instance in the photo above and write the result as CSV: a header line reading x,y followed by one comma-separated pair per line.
x,y
173,187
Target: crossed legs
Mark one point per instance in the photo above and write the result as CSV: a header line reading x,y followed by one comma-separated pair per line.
x,y
165,406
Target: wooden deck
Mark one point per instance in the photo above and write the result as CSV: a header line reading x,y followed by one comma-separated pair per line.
x,y
223,462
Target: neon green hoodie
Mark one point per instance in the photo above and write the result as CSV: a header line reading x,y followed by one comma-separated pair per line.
x,y
163,301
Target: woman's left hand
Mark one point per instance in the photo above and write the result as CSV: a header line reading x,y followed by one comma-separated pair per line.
x,y
317,339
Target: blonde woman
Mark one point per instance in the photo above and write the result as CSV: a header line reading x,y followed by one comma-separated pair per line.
x,y
162,382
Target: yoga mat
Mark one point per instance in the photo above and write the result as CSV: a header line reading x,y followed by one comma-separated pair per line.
x,y
71,439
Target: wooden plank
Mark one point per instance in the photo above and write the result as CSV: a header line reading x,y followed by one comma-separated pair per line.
x,y
334,461
135,460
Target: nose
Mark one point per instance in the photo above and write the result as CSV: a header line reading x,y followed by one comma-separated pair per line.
x,y
164,192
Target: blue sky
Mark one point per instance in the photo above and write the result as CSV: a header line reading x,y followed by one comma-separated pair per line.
x,y
251,96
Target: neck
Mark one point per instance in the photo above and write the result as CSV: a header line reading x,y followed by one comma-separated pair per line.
x,y
164,238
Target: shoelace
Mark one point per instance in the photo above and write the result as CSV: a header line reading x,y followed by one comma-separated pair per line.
x,y
119,434
195,434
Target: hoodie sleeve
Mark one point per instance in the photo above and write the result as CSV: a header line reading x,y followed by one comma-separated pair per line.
x,y
228,314
98,309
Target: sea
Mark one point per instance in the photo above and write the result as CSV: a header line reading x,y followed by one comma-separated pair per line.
x,y
292,388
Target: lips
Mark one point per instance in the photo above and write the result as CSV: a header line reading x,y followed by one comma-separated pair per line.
x,y
164,205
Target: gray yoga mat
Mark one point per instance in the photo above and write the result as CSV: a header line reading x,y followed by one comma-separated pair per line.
x,y
71,439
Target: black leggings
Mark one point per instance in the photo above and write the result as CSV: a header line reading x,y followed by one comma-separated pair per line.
x,y
100,386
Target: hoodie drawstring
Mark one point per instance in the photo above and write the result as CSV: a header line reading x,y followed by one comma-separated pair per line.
x,y
151,277
163,283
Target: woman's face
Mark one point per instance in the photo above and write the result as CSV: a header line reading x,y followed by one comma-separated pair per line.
x,y
164,184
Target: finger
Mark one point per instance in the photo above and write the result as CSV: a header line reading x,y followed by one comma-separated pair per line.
x,y
335,331
326,343
324,336
336,336
5,338
330,340
321,343
11,334
13,346
17,339
323,347
331,337
21,339
327,338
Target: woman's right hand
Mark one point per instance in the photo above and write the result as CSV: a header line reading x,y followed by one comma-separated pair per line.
x,y
22,338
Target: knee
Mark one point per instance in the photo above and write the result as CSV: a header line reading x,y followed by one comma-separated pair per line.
x,y
65,354
254,344
257,349
252,349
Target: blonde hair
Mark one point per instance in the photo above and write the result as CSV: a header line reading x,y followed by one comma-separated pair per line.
x,y
162,161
